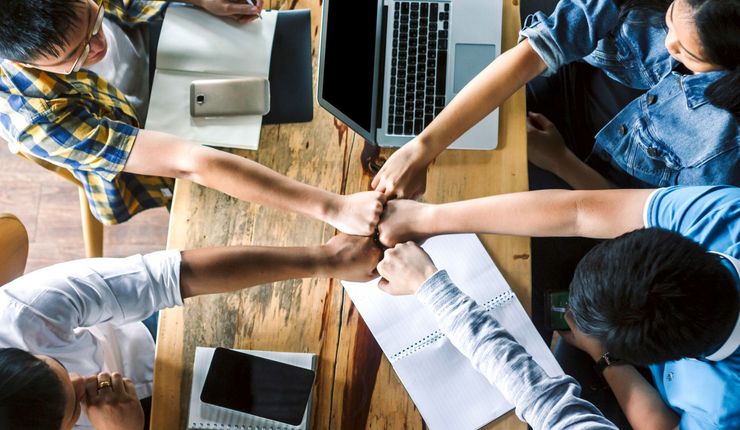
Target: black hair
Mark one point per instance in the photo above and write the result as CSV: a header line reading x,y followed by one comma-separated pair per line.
x,y
718,24
652,296
31,394
30,29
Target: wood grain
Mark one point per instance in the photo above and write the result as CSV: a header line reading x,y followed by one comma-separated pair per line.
x,y
356,387
13,247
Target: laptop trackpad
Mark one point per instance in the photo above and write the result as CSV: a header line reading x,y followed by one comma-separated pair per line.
x,y
470,59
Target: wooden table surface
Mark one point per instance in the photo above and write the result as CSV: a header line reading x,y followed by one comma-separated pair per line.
x,y
355,387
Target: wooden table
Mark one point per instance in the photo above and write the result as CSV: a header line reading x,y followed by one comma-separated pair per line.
x,y
355,387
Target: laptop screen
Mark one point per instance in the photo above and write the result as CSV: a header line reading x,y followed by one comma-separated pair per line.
x,y
349,49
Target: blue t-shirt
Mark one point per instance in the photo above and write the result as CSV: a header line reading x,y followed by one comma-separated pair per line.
x,y
705,393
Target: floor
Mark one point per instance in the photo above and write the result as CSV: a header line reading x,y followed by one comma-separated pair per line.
x,y
49,208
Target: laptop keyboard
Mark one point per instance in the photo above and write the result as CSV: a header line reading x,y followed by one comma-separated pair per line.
x,y
418,66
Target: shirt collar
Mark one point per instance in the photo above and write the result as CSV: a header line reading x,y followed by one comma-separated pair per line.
x,y
732,343
695,85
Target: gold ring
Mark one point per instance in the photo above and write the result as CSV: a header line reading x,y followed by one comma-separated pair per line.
x,y
104,384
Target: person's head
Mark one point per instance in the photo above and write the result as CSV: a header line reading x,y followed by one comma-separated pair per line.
x,y
652,296
37,392
704,35
57,36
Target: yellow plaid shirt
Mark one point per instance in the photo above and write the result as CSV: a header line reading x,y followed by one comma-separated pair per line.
x,y
81,122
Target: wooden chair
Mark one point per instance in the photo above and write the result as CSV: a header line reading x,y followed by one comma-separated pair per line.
x,y
92,229
13,248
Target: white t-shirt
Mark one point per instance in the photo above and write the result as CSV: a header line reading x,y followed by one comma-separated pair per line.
x,y
87,314
126,63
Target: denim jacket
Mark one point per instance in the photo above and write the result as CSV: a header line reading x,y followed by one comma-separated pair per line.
x,y
671,134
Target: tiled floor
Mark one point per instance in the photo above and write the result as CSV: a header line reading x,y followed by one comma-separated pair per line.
x,y
49,208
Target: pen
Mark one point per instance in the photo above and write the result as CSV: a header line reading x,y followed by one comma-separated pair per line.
x,y
259,15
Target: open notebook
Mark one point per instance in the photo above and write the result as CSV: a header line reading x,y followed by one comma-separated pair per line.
x,y
204,416
197,45
447,390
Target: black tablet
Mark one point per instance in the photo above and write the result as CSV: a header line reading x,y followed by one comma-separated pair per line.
x,y
258,386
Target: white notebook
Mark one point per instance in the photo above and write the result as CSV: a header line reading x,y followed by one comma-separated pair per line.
x,y
205,416
197,45
447,390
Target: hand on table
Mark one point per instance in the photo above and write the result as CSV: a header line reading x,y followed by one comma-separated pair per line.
x,y
404,174
577,338
352,258
238,10
115,406
545,146
402,221
357,213
404,268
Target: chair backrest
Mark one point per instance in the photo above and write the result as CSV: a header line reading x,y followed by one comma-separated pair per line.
x,y
13,248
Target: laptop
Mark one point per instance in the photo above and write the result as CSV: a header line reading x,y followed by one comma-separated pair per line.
x,y
388,67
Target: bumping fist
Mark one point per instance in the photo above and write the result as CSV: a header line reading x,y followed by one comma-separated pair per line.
x,y
402,220
357,213
404,268
352,258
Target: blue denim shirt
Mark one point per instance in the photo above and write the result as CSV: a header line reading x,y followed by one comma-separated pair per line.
x,y
671,134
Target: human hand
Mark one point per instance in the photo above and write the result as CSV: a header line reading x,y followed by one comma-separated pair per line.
x,y
352,258
238,10
585,343
357,213
545,146
403,220
404,268
115,407
404,174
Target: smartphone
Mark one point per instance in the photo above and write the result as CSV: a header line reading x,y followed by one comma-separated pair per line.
x,y
556,304
229,97
258,386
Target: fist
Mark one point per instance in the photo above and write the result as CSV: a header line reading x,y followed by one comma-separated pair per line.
x,y
402,220
352,258
404,268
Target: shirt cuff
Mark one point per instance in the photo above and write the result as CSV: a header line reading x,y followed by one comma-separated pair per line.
x,y
164,268
438,288
647,210
536,31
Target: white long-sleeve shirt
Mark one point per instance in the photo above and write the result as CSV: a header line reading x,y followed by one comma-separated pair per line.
x,y
87,314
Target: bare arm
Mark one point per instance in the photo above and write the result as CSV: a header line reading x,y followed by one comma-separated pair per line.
x,y
161,154
404,174
219,270
598,214
639,400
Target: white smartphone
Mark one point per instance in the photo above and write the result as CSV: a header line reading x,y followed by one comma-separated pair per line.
x,y
229,97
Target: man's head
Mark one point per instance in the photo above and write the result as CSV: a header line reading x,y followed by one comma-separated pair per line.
x,y
37,392
652,296
53,35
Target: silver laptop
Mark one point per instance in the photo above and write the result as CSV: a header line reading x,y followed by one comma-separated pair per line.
x,y
387,67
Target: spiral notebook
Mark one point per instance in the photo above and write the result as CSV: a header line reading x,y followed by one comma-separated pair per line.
x,y
447,390
204,416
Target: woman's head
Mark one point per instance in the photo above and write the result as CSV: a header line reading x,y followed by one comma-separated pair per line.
x,y
704,35
37,392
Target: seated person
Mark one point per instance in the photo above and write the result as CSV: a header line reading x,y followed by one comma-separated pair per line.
x,y
70,331
73,91
683,130
665,293
543,402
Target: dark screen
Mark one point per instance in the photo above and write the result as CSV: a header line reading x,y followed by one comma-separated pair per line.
x,y
257,386
349,58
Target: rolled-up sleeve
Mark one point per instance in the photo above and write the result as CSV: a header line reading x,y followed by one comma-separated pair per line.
x,y
85,293
542,401
571,32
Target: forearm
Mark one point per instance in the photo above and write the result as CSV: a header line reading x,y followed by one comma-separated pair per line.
x,y
597,214
487,91
161,154
219,270
639,401
580,175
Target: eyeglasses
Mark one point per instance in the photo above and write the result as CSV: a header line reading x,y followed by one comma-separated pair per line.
x,y
94,32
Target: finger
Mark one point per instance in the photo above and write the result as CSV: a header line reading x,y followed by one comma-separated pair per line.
x,y
91,389
538,120
240,9
117,381
260,3
569,319
567,336
382,199
376,180
384,285
129,386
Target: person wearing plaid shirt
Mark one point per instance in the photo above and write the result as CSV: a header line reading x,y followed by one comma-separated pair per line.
x,y
53,106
